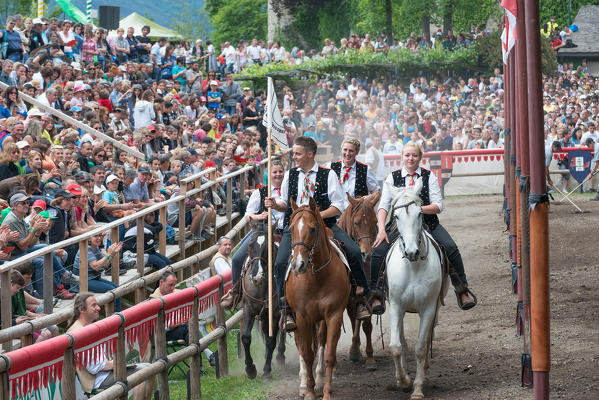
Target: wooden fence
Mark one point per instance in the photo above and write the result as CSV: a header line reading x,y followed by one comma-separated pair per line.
x,y
189,264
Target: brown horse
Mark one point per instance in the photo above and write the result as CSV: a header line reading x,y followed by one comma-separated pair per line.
x,y
359,221
318,291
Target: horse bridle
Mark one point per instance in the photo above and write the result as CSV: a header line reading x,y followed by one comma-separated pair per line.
x,y
360,237
311,248
420,235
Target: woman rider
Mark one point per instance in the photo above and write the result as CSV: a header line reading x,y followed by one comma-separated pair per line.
x,y
255,211
432,204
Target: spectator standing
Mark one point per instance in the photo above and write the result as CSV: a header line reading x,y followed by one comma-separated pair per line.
x,y
15,48
231,92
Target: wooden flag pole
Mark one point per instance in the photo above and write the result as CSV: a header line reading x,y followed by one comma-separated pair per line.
x,y
269,190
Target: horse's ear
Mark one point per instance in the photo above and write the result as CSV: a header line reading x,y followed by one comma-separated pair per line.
x,y
293,205
352,201
374,198
312,203
418,185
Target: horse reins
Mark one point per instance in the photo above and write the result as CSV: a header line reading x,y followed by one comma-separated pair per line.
x,y
311,248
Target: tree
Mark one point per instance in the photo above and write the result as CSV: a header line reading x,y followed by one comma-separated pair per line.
x,y
237,20
559,10
191,24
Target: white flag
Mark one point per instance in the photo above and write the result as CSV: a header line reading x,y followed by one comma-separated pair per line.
x,y
272,118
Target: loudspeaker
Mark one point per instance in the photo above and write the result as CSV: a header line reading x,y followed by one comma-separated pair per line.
x,y
109,17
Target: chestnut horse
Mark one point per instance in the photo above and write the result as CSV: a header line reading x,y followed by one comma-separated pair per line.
x,y
317,290
359,221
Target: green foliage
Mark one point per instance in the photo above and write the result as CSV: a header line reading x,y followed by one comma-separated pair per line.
x,y
235,20
559,10
489,53
192,24
12,7
403,62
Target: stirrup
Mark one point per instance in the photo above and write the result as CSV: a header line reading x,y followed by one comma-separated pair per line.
x,y
231,299
378,309
468,305
363,309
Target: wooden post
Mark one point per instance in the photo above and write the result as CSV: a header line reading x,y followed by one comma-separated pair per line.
x,y
140,293
27,340
120,358
195,268
162,233
160,342
195,369
4,386
114,262
6,312
67,383
269,186
183,192
83,267
48,280
229,203
223,360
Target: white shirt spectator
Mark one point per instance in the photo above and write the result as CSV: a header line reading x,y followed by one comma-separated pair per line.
x,y
253,52
393,147
376,160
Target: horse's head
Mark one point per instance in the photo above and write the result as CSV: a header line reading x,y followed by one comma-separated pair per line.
x,y
361,222
258,252
305,232
406,208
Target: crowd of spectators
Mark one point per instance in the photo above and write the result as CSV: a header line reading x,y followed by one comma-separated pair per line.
x,y
183,110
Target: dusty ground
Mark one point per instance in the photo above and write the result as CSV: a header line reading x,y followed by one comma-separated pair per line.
x,y
477,354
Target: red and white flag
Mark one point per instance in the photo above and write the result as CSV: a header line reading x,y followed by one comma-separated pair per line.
x,y
508,36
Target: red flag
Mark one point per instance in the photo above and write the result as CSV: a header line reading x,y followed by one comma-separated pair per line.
x,y
508,36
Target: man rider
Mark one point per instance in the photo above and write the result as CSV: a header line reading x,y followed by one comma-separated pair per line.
x,y
307,180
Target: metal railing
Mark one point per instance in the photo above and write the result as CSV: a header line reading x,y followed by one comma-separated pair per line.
x,y
25,371
137,286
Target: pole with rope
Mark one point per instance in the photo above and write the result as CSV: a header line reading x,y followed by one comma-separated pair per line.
x,y
40,8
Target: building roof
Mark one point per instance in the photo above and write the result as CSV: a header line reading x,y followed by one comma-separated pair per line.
x,y
586,36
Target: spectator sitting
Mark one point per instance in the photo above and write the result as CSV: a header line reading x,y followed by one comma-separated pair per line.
x,y
99,373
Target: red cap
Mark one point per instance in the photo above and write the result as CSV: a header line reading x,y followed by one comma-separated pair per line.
x,y
40,204
75,190
151,128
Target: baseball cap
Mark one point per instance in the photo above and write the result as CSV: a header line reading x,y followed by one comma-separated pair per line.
x,y
99,189
83,176
18,197
64,193
144,170
111,178
75,189
37,21
213,83
22,144
35,112
40,204
202,98
151,128
193,152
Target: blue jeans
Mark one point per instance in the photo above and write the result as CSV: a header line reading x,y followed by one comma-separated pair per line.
x,y
239,258
99,285
158,261
15,57
38,269
230,109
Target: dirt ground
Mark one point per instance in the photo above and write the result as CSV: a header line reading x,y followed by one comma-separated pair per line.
x,y
476,352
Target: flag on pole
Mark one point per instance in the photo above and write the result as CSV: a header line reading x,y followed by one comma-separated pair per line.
x,y
272,118
508,36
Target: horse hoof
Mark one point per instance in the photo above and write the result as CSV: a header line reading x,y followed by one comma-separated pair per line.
x,y
310,396
370,365
417,397
266,376
280,362
405,384
250,371
355,356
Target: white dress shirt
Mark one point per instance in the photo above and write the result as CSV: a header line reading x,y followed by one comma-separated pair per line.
x,y
434,191
376,161
253,206
336,193
350,184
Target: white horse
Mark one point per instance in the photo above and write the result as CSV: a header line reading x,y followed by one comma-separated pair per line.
x,y
415,282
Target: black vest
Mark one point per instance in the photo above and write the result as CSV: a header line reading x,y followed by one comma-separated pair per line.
x,y
321,193
360,186
429,219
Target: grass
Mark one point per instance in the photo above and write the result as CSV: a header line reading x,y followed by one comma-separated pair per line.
x,y
234,386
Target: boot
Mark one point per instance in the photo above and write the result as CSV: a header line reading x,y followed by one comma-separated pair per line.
x,y
461,290
377,303
363,310
231,299
287,319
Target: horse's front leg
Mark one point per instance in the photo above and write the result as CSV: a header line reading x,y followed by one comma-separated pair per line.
x,y
370,363
281,348
426,323
303,341
354,350
271,343
330,355
397,345
246,339
320,365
